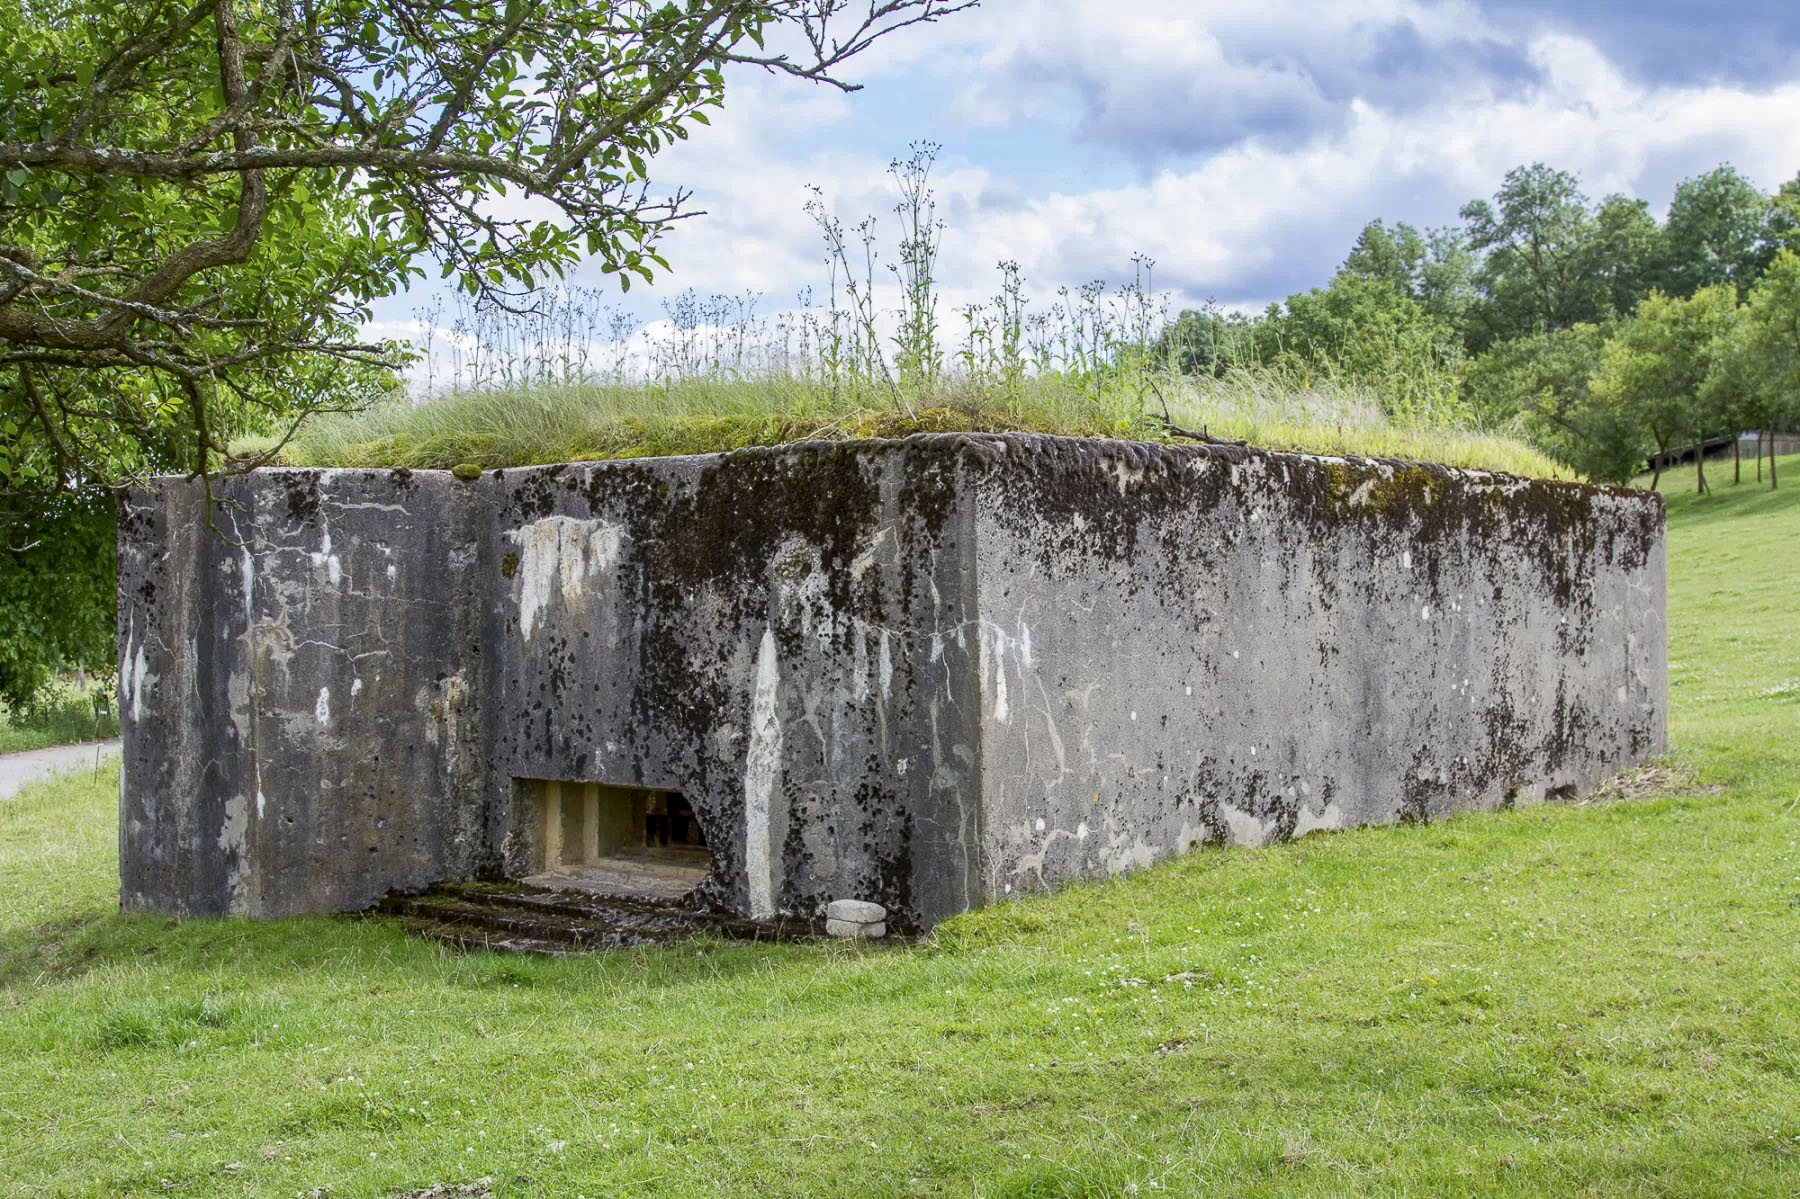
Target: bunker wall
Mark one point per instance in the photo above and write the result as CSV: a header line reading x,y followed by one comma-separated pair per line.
x,y
336,690
1184,645
927,672
296,691
774,636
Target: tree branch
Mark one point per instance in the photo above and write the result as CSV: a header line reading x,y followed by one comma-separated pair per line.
x,y
57,445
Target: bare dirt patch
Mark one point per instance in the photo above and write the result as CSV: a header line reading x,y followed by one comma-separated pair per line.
x,y
1651,782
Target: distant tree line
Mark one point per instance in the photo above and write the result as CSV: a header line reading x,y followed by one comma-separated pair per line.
x,y
1609,339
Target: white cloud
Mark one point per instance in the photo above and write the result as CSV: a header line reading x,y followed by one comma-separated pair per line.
x,y
1247,222
1259,210
1159,76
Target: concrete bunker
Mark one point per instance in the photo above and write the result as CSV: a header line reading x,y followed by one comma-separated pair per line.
x,y
628,842
926,673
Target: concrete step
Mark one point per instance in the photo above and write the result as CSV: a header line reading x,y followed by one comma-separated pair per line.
x,y
526,919
467,937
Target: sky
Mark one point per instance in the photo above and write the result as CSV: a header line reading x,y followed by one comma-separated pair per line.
x,y
1240,144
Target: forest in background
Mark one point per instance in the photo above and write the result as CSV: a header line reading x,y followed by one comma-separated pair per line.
x,y
1607,337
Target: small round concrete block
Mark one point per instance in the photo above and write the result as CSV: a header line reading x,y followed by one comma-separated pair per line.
x,y
853,928
855,911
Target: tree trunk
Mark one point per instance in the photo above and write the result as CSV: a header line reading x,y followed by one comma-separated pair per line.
x,y
1760,435
1737,460
1700,487
1771,461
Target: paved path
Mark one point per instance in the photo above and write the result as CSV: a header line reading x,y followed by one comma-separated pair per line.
x,y
18,769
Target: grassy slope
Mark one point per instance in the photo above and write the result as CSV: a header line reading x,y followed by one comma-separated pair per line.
x,y
554,424
1582,1000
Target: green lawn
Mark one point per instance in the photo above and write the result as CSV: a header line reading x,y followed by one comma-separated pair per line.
x,y
1600,999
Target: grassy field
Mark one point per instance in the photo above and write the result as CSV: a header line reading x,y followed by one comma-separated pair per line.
x,y
65,716
1600,999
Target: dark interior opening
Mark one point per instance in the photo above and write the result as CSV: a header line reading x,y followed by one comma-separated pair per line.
x,y
637,842
672,822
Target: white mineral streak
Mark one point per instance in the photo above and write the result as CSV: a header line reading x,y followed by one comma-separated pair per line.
x,y
1305,822
560,553
126,665
993,664
860,668
1127,475
327,560
248,570
762,770
137,678
1245,828
1001,712
237,697
235,825
1128,856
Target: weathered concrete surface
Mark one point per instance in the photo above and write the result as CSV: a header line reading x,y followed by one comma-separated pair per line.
x,y
770,634
1181,647
921,673
333,696
294,677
